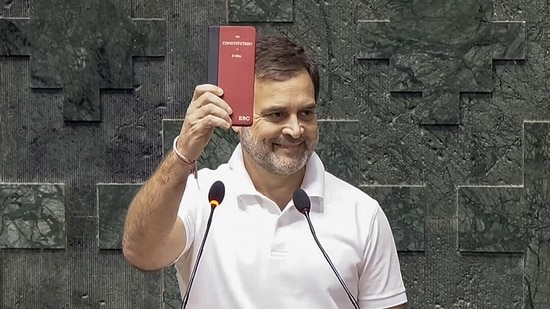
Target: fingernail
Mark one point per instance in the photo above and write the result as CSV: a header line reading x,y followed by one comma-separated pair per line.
x,y
220,91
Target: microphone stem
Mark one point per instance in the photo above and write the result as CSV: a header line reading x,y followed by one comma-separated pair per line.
x,y
350,295
192,278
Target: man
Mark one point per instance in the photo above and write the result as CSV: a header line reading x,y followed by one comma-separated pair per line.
x,y
260,253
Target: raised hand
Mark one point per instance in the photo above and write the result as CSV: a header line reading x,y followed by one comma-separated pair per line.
x,y
206,111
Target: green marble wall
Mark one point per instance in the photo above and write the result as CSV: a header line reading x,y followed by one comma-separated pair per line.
x,y
436,108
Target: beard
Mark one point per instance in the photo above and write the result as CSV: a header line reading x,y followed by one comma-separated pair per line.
x,y
261,152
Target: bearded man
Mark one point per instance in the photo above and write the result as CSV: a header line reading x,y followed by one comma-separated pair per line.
x,y
260,253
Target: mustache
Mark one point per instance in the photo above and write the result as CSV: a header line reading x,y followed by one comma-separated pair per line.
x,y
290,140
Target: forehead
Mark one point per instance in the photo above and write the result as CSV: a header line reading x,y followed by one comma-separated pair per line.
x,y
298,89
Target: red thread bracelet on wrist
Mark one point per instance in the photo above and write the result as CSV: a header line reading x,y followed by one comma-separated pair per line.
x,y
183,159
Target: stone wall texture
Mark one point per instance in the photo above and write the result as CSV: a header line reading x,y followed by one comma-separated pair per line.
x,y
438,109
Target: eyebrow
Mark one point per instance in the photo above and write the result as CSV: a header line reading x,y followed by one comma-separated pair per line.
x,y
274,109
311,106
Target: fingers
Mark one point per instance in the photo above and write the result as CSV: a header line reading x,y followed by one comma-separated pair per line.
x,y
201,89
216,116
210,115
206,111
207,99
209,94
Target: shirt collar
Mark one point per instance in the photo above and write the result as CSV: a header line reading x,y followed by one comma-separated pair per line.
x,y
313,183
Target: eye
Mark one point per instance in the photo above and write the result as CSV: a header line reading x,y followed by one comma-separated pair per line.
x,y
308,114
275,115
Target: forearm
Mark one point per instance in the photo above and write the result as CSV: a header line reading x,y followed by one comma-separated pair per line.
x,y
153,235
153,213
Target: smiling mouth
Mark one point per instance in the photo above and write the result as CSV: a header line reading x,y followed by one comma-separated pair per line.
x,y
289,146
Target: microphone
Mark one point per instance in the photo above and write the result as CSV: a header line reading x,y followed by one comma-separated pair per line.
x,y
215,197
303,204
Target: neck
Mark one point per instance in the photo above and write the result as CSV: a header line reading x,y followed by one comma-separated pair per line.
x,y
276,187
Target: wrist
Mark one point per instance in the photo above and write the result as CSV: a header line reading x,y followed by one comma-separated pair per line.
x,y
192,164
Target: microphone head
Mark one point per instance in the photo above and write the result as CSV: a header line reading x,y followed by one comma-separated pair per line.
x,y
301,201
216,193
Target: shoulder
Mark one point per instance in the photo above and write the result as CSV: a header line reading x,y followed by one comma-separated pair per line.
x,y
197,188
351,204
207,175
340,191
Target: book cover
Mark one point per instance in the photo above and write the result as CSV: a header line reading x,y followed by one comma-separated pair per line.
x,y
231,59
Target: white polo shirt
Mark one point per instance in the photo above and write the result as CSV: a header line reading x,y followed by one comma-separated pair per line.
x,y
259,257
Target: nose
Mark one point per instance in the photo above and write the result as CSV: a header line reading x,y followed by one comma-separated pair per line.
x,y
293,127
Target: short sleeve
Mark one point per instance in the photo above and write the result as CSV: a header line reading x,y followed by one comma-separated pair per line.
x,y
380,282
189,213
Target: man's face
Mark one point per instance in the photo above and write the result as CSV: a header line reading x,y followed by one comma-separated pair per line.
x,y
285,132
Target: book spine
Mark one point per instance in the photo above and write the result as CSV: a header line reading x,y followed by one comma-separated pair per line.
x,y
213,54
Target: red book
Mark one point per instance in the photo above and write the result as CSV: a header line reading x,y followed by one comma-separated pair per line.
x,y
231,58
